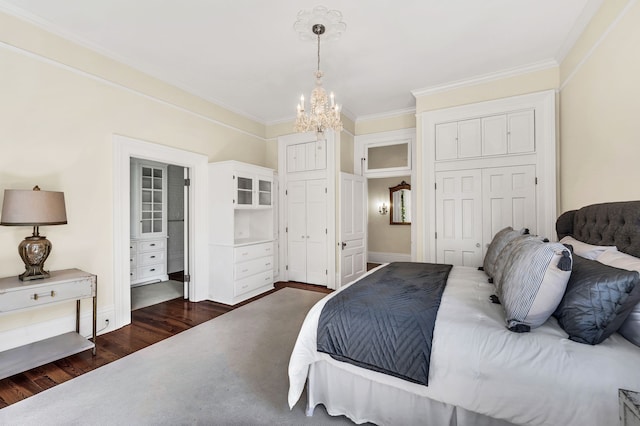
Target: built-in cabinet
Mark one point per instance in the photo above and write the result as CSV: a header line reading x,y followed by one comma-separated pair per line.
x,y
241,236
487,166
308,208
501,134
148,244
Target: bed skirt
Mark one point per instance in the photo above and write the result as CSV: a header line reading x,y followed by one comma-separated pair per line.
x,y
363,400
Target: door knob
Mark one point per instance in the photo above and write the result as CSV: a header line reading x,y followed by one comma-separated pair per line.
x,y
478,245
344,245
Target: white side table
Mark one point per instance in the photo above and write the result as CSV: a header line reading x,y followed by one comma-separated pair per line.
x,y
64,285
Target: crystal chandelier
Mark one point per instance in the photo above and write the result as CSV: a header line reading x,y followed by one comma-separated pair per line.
x,y
323,111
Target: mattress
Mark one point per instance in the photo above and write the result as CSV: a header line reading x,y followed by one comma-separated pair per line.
x,y
536,378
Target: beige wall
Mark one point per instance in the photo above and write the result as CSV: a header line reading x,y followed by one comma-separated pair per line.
x,y
386,124
383,237
599,106
59,108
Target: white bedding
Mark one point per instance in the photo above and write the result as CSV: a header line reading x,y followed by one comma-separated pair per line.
x,y
536,378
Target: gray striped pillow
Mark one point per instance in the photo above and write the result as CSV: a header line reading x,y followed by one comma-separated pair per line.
x,y
533,283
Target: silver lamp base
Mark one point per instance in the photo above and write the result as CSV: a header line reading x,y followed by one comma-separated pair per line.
x,y
34,250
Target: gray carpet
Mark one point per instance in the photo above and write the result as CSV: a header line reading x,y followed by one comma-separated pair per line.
x,y
151,294
229,370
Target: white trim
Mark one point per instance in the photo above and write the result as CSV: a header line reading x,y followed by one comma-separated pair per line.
x,y
379,257
123,149
103,80
486,78
389,114
587,14
597,44
24,335
360,145
545,158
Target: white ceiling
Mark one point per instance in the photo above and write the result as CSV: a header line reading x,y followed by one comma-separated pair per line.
x,y
245,55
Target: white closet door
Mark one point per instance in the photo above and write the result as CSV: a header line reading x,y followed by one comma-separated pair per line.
x,y
316,234
459,217
447,141
494,135
353,219
297,231
469,139
509,199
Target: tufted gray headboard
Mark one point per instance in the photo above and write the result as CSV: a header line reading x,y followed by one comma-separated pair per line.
x,y
611,224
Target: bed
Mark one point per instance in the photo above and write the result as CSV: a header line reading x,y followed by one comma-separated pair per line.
x,y
481,373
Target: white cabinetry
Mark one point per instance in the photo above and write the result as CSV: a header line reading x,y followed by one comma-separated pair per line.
x,y
500,134
240,231
148,245
487,166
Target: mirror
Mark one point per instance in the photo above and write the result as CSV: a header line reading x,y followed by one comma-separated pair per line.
x,y
400,204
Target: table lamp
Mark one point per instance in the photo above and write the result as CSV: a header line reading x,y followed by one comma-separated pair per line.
x,y
33,208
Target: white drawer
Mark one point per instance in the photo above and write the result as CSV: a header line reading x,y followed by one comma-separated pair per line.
x,y
151,245
253,282
252,267
150,271
151,258
252,251
41,295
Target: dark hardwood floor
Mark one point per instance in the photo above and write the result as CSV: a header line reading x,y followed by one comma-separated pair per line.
x,y
148,326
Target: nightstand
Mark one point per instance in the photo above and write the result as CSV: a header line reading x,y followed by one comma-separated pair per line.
x,y
629,407
61,286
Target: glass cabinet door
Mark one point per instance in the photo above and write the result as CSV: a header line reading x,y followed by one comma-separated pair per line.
x,y
244,191
151,212
264,192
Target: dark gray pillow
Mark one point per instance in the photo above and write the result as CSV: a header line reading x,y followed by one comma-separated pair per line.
x,y
597,301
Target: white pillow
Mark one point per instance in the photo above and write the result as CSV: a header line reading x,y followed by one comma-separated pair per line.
x,y
630,328
533,282
588,251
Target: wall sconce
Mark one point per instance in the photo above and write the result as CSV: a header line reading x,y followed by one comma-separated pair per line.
x,y
33,208
383,209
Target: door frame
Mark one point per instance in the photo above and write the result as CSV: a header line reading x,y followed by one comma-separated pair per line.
x,y
124,148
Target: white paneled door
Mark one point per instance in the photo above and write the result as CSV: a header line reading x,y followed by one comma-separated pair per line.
x,y
307,231
459,217
509,199
353,219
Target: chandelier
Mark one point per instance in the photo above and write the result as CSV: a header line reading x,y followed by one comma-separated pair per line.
x,y
323,111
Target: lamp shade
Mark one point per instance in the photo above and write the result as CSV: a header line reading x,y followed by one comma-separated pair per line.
x,y
33,208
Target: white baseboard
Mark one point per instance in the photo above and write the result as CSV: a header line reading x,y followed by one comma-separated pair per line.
x,y
16,337
378,257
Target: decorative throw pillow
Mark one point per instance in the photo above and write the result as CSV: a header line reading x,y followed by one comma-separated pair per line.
x,y
499,241
630,328
504,256
588,251
598,299
533,283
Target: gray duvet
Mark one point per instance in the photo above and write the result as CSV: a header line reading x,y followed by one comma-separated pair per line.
x,y
385,321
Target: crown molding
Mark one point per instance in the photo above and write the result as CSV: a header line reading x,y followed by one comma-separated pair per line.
x,y
578,28
486,78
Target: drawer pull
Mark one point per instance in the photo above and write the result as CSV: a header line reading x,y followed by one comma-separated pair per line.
x,y
152,269
245,253
36,296
267,264
152,257
245,270
267,278
152,244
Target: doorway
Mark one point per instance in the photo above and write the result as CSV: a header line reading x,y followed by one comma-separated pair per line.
x,y
125,148
158,257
